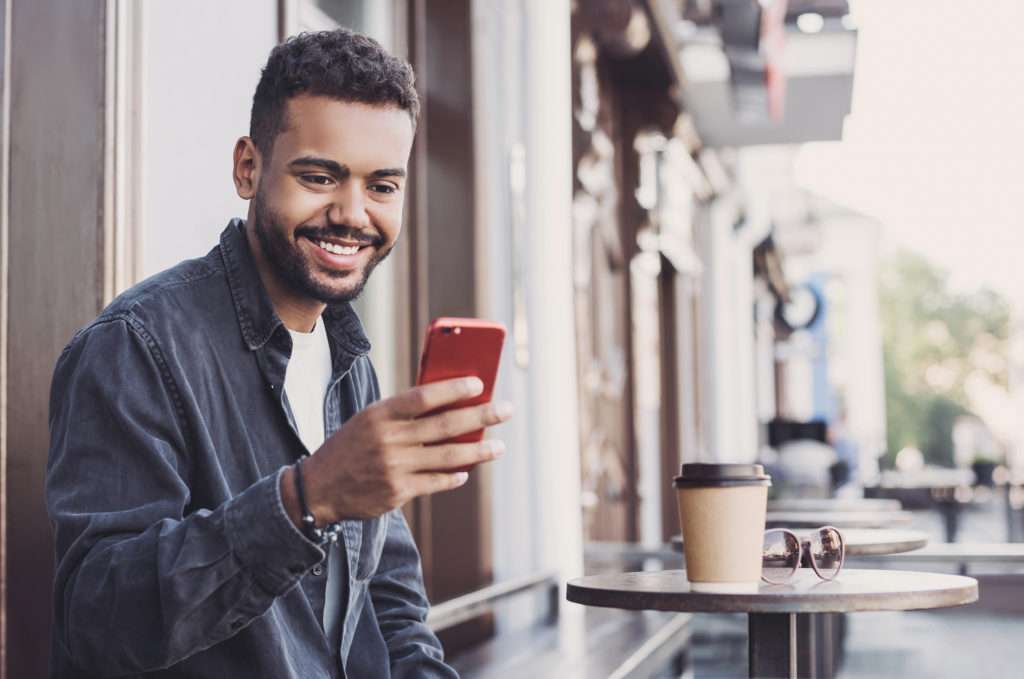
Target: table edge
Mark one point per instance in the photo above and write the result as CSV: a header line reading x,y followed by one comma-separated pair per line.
x,y
693,602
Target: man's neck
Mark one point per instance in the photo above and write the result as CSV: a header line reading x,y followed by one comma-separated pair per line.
x,y
297,312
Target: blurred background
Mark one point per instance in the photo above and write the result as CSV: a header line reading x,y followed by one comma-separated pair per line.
x,y
717,230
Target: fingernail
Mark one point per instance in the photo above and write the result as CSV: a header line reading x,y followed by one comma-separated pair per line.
x,y
473,386
461,478
496,447
503,409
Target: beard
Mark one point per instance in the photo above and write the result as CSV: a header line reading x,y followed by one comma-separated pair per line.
x,y
300,273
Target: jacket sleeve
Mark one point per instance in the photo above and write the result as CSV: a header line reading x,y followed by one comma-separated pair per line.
x,y
140,585
401,606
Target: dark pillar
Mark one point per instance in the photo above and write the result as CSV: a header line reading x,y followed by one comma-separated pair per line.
x,y
54,275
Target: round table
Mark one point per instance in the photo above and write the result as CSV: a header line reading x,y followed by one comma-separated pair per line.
x,y
855,504
869,519
783,620
881,541
865,541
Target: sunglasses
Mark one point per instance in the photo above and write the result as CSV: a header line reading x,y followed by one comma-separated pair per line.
x,y
784,552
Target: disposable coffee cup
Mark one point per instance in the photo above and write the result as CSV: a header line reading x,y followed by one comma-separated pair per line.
x,y
722,512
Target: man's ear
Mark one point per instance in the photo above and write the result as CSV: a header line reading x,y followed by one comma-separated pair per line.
x,y
246,168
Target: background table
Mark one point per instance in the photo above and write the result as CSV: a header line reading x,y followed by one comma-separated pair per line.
x,y
947,490
781,630
879,541
869,519
855,504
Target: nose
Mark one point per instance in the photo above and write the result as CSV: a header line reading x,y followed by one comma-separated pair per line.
x,y
349,206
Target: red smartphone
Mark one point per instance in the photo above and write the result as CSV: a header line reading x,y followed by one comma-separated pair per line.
x,y
462,347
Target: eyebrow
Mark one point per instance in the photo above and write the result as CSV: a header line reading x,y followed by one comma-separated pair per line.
x,y
340,170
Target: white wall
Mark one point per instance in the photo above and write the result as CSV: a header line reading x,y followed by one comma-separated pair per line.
x,y
201,61
524,189
550,296
850,251
729,376
720,339
498,41
744,412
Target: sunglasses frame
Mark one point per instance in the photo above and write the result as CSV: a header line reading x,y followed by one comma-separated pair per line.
x,y
810,555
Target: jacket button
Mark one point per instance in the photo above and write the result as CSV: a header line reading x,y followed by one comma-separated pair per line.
x,y
318,570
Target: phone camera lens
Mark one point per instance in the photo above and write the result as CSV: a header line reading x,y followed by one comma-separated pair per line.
x,y
446,331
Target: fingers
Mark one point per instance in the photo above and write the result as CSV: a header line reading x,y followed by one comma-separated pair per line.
x,y
448,425
436,482
454,455
422,399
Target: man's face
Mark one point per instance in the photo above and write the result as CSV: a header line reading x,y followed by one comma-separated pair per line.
x,y
328,206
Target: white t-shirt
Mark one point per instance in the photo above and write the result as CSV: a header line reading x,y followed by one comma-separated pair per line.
x,y
305,382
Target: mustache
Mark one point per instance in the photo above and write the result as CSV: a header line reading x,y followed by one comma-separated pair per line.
x,y
340,231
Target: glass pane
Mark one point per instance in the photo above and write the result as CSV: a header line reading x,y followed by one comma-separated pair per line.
x,y
372,17
781,555
345,12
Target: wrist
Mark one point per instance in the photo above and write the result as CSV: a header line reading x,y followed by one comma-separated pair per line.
x,y
320,530
289,498
316,496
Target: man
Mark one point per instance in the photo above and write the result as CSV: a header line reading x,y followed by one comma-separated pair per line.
x,y
194,536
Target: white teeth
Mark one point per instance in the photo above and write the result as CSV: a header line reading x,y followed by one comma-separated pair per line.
x,y
338,249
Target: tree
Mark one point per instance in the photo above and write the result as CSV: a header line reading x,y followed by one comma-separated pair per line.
x,y
934,339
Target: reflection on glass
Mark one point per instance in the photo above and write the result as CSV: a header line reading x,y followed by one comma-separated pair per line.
x,y
780,557
826,547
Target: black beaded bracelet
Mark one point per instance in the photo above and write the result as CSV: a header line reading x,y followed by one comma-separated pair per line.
x,y
320,536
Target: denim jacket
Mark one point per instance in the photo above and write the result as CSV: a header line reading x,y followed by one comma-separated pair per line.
x,y
169,432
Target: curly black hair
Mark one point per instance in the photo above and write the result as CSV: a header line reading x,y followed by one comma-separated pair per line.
x,y
340,64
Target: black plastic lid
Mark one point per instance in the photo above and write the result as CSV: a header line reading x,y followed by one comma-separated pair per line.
x,y
702,475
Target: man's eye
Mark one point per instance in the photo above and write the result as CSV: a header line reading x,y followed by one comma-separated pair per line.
x,y
321,179
383,188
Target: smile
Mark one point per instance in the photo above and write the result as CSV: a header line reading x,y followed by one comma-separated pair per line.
x,y
338,249
339,255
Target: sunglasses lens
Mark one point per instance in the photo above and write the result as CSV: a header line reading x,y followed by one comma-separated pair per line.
x,y
781,555
827,552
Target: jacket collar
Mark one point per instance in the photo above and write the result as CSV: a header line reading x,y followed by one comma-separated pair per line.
x,y
257,318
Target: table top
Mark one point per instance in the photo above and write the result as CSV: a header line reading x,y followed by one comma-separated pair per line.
x,y
878,541
854,590
869,519
934,477
865,541
856,504
974,552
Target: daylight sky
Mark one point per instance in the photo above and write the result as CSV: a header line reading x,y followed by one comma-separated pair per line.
x,y
934,146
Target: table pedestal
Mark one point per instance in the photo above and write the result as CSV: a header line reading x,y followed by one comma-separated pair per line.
x,y
794,645
773,644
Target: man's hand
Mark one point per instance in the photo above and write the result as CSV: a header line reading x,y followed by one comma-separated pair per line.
x,y
380,459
